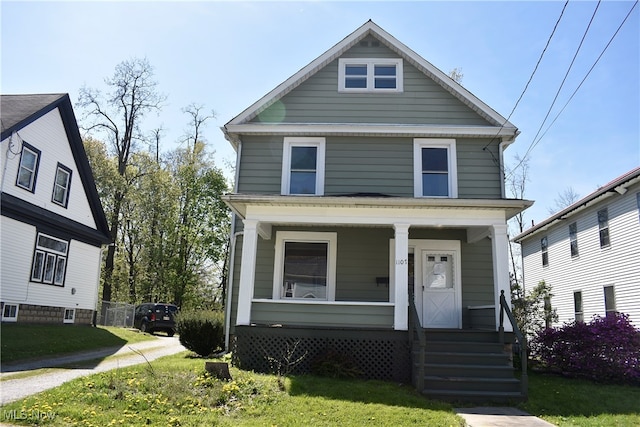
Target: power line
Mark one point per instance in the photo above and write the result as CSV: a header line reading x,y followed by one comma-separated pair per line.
x,y
590,69
532,74
555,98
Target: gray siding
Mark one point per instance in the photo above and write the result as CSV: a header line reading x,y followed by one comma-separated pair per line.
x,y
317,100
369,165
322,315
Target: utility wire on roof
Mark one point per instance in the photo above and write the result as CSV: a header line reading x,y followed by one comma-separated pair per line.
x,y
534,142
532,74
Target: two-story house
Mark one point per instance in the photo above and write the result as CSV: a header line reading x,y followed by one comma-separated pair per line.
x,y
589,253
53,225
369,186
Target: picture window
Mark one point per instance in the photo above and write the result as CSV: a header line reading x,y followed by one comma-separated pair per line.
x,y
49,260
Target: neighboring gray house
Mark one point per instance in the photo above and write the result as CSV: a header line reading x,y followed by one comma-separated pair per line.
x,y
366,181
53,225
590,253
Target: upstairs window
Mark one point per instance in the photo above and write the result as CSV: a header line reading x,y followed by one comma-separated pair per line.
x,y
303,166
49,260
28,169
638,204
573,239
603,226
435,172
544,249
577,306
370,75
61,186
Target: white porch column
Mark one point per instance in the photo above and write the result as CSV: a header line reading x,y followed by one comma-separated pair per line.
x,y
500,246
247,271
401,310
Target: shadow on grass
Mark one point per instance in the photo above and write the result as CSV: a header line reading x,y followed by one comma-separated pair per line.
x,y
363,391
569,397
27,347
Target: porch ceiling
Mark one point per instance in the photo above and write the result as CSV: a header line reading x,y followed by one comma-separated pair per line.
x,y
240,203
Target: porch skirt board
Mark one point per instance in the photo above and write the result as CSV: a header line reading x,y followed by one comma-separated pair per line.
x,y
378,354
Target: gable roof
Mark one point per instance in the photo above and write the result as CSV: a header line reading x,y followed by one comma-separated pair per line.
x,y
617,186
18,111
370,28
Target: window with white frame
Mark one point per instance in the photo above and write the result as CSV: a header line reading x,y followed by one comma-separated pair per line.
x,y
305,266
544,249
10,312
603,227
61,185
573,239
370,75
435,168
28,169
577,306
609,300
303,166
69,315
49,260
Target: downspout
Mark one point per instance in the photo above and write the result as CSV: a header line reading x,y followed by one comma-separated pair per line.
x,y
233,236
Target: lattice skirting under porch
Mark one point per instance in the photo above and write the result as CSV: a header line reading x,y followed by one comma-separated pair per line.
x,y
378,354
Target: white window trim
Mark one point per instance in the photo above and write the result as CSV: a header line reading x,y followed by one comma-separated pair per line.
x,y
450,145
305,237
73,317
370,63
10,319
289,142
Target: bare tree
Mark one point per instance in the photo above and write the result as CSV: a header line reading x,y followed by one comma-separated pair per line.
x,y
456,75
117,116
565,199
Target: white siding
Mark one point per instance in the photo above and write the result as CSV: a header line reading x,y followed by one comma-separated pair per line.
x,y
47,134
83,267
617,265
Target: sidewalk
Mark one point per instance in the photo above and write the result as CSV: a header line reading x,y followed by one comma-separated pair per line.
x,y
19,388
499,417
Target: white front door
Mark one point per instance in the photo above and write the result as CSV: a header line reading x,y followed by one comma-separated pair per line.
x,y
440,289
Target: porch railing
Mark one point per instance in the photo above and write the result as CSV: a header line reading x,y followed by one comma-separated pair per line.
x,y
504,308
416,328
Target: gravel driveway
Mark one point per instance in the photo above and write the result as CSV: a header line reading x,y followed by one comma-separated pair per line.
x,y
125,356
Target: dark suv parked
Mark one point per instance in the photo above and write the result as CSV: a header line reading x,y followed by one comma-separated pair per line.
x,y
153,317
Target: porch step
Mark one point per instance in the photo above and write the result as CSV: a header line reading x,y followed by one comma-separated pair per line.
x,y
466,358
472,396
500,385
469,371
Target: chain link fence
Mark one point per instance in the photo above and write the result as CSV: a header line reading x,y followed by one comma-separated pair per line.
x,y
115,314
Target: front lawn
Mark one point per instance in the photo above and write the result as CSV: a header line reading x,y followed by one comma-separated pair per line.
x,y
24,341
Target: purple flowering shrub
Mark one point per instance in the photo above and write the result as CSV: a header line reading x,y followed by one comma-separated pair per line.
x,y
605,349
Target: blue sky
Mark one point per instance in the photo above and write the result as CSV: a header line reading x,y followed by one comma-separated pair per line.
x,y
227,55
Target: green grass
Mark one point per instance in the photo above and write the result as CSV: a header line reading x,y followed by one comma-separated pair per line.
x,y
575,402
175,391
21,342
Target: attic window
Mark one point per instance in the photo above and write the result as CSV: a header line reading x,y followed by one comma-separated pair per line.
x,y
370,75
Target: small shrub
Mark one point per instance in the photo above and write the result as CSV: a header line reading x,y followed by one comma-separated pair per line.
x,y
335,365
201,331
605,349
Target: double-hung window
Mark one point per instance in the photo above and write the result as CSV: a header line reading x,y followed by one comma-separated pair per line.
x,y
435,168
544,249
61,185
370,75
609,300
49,260
303,166
28,169
577,306
573,239
603,227
305,266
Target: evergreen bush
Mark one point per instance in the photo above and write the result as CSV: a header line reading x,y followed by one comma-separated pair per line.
x,y
201,331
605,349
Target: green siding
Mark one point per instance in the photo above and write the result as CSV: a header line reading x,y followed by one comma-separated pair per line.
x,y
477,283
423,101
267,313
361,164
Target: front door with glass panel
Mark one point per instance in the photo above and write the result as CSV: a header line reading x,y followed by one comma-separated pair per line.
x,y
440,307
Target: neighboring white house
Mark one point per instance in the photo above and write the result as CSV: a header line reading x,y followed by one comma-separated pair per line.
x,y
590,253
53,225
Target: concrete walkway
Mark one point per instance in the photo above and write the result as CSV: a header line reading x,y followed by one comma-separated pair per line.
x,y
499,417
121,357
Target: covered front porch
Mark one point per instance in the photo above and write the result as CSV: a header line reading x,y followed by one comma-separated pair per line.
x,y
452,253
